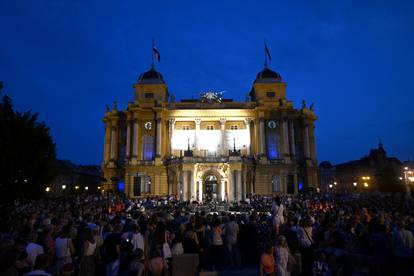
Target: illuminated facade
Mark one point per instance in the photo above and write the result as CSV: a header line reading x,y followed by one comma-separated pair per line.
x,y
210,147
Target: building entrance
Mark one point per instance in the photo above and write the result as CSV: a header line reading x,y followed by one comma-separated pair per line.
x,y
210,187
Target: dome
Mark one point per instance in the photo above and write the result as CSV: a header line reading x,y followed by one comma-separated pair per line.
x,y
151,76
267,75
325,165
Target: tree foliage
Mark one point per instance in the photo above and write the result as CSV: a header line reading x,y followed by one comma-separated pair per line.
x,y
27,153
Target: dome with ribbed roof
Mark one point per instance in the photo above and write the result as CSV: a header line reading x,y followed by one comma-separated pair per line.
x,y
267,75
151,76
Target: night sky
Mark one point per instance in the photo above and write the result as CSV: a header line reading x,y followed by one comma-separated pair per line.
x,y
354,59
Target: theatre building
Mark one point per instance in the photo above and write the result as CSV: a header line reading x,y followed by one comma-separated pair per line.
x,y
198,149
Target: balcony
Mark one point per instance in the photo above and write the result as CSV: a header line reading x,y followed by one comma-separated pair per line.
x,y
207,159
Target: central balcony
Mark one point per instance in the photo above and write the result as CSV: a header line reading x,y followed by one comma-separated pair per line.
x,y
207,159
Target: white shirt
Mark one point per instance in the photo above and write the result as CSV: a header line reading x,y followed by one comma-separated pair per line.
x,y
137,241
33,250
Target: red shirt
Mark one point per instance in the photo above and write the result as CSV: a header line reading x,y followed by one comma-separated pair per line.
x,y
268,263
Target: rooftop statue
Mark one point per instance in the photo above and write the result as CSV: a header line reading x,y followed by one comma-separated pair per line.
x,y
211,97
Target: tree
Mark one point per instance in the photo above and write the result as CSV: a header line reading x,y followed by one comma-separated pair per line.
x,y
27,153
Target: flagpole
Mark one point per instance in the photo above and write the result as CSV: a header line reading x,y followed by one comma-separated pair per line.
x,y
265,54
152,53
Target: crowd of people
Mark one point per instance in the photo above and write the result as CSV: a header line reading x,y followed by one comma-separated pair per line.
x,y
305,234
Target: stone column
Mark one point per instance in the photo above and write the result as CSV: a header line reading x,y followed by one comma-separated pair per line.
x,y
128,139
113,143
197,122
312,142
262,137
238,186
159,140
192,186
230,187
135,138
185,185
223,138
306,141
200,190
223,189
252,182
247,124
107,148
171,122
285,137
295,182
244,185
292,139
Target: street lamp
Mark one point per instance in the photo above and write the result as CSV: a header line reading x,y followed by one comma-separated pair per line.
x,y
47,189
355,184
76,187
63,187
86,188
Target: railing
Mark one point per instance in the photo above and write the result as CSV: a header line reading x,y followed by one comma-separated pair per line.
x,y
208,159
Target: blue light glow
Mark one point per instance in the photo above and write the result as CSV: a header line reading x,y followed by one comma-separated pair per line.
x,y
121,186
300,186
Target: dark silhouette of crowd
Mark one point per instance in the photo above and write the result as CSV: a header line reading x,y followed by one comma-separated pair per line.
x,y
305,234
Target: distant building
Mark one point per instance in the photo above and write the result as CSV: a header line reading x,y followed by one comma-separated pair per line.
x,y
327,176
71,177
369,172
209,147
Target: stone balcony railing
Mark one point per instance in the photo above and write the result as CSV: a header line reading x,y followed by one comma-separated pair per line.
x,y
208,159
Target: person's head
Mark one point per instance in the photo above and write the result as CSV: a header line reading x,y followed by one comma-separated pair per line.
x,y
41,262
277,200
65,232
281,241
232,217
88,235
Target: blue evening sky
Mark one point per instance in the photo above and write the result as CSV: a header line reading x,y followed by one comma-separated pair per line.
x,y
354,59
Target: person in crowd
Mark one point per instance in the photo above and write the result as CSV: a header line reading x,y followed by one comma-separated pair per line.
x,y
33,249
40,266
282,256
267,261
136,267
231,231
217,245
112,251
277,214
403,245
87,262
307,245
64,247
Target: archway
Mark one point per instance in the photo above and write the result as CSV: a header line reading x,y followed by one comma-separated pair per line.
x,y
211,185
